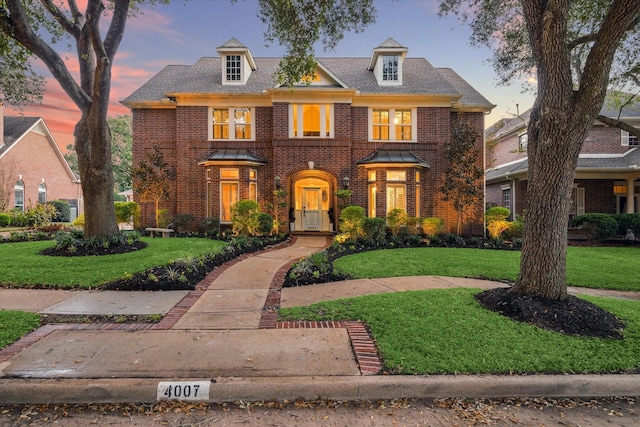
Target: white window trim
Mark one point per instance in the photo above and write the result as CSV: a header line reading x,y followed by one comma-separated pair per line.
x,y
232,123
392,126
380,70
625,137
224,182
323,121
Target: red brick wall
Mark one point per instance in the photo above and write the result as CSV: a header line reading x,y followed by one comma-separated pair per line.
x,y
34,158
601,139
182,135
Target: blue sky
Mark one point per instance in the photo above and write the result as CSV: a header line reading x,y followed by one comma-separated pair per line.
x,y
183,32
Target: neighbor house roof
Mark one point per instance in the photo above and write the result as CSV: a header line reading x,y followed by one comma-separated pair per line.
x,y
629,160
14,129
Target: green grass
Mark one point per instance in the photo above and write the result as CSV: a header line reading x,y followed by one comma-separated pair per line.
x,y
23,266
15,324
614,268
447,331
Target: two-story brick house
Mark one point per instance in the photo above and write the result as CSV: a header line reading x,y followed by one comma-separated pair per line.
x,y
607,178
374,124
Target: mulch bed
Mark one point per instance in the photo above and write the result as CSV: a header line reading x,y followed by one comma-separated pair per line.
x,y
573,316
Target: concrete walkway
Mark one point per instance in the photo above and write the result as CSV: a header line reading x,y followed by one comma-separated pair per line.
x,y
223,335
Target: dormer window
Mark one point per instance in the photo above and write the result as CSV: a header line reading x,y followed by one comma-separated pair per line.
x,y
390,68
237,63
234,68
386,63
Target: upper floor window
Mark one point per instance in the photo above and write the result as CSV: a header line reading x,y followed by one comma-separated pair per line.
x,y
311,121
231,123
19,195
523,140
390,68
234,68
392,124
629,140
42,193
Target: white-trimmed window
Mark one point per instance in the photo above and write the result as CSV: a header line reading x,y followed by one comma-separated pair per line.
x,y
629,140
228,192
253,185
42,193
231,124
390,68
19,195
311,120
392,124
523,140
396,190
233,68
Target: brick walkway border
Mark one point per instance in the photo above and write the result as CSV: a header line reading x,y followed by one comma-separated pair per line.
x,y
363,345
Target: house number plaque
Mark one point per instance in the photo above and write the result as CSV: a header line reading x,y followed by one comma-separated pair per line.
x,y
183,390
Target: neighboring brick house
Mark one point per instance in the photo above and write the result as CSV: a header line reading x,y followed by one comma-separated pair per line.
x,y
32,167
375,124
607,178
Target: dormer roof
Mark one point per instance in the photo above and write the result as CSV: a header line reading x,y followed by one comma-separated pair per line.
x,y
388,47
234,46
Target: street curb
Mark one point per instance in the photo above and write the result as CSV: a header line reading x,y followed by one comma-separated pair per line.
x,y
350,388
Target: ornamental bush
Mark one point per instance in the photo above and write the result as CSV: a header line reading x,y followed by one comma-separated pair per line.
x,y
351,220
396,218
5,219
496,219
374,230
265,224
598,226
125,211
431,227
63,210
244,217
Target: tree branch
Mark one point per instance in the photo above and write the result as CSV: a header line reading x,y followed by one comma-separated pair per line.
x,y
16,25
69,26
116,29
619,124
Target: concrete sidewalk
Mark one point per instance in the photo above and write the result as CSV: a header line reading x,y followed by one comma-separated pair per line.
x,y
216,337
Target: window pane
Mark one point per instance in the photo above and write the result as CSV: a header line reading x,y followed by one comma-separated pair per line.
x,y
233,67
396,175
390,67
396,197
228,196
402,121
220,123
19,195
229,173
371,175
380,120
372,200
311,120
42,193
253,191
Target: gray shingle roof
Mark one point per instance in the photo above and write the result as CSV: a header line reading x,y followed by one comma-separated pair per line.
x,y
14,128
630,160
205,77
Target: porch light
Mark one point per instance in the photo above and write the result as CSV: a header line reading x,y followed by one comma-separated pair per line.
x,y
277,180
346,181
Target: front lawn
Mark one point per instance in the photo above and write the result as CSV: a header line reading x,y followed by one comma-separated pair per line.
x,y
23,266
15,324
448,331
614,268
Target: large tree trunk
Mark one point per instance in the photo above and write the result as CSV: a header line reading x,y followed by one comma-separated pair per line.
x,y
560,120
93,145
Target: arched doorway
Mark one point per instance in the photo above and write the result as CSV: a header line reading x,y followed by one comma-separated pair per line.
x,y
312,200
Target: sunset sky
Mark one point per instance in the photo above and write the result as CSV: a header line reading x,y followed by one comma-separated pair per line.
x,y
183,32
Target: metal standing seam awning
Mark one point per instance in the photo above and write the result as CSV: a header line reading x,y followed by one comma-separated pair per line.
x,y
231,156
393,157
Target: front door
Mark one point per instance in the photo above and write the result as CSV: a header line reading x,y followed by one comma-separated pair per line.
x,y
311,209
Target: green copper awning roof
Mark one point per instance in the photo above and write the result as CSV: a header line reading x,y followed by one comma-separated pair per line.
x,y
234,156
404,157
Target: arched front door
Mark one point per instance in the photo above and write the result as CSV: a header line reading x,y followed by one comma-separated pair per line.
x,y
311,197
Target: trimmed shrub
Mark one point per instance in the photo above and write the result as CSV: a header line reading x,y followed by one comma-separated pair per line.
x,y
183,222
244,217
496,219
431,227
374,230
351,219
34,216
63,210
598,226
79,221
125,211
628,223
265,224
396,218
163,218
516,228
5,219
